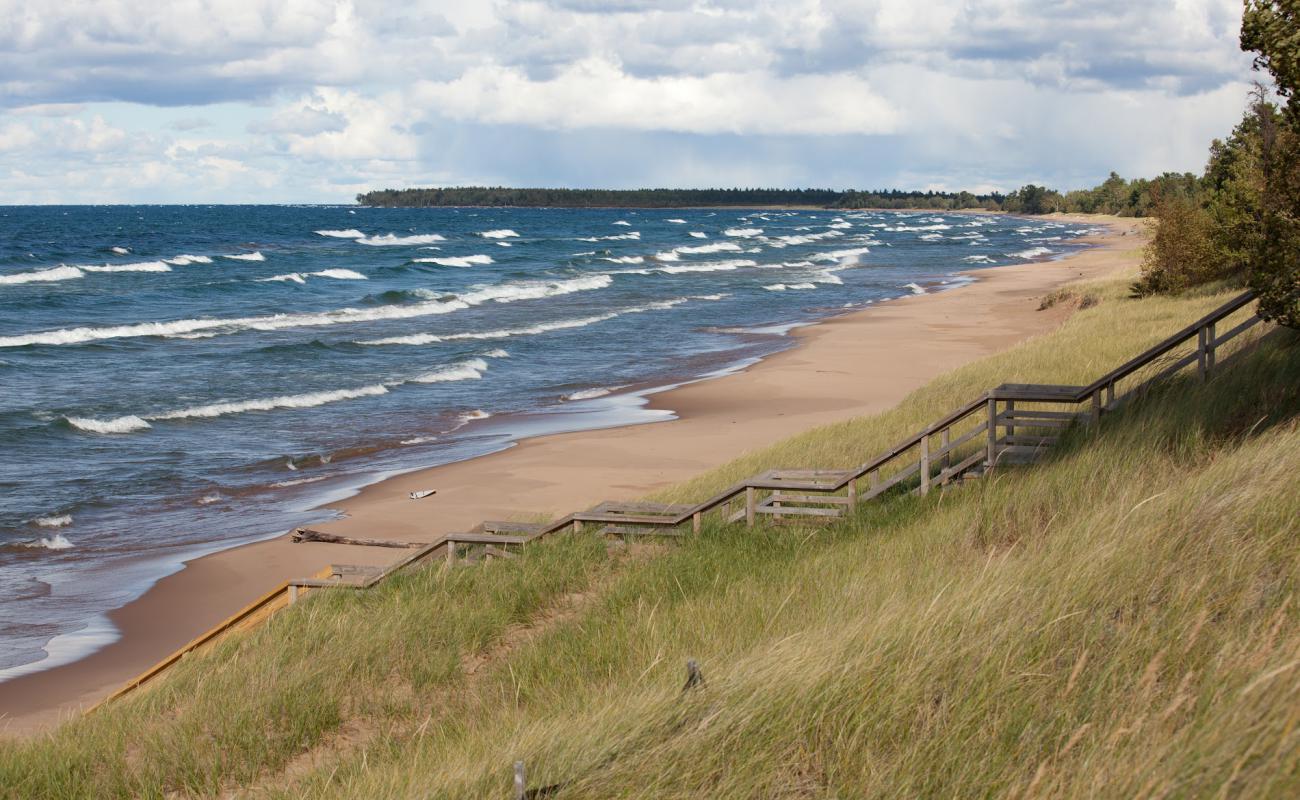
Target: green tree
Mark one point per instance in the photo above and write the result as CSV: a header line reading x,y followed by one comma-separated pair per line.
x,y
1271,30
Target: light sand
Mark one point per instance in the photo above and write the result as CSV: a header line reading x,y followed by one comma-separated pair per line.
x,y
847,366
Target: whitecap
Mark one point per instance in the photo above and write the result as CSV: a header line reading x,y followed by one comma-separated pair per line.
x,y
341,274
1033,252
61,521
716,247
350,233
125,424
393,240
504,244
307,400
253,256
56,542
781,287
531,330
848,256
60,273
209,499
121,251
623,222
299,481
743,233
186,260
978,260
141,266
496,353
296,277
626,260
470,370
708,266
916,288
633,235
676,221
589,394
455,261
504,233
699,234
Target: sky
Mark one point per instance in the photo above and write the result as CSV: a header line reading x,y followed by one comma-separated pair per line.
x,y
313,101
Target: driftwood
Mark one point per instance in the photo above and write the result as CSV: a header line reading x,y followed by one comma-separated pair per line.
x,y
309,535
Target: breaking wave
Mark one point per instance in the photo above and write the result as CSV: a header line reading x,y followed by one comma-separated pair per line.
x,y
455,261
253,256
350,233
504,233
393,240
1033,252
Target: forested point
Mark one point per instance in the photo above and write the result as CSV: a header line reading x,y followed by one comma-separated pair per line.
x,y
1115,196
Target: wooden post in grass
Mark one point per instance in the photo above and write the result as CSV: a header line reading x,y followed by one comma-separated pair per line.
x,y
520,792
451,554
1209,347
1096,408
945,439
853,492
697,519
750,502
925,462
1110,396
992,455
1201,347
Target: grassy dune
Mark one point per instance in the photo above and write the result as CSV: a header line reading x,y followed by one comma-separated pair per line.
x,y
1120,620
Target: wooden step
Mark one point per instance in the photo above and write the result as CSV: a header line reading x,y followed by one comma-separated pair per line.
x,y
496,526
797,511
825,499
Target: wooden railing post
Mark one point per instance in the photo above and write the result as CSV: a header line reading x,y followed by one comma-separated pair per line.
x,y
1096,408
1010,426
451,553
1110,395
853,492
1209,347
697,520
945,439
992,455
873,478
751,497
293,594
1201,347
925,462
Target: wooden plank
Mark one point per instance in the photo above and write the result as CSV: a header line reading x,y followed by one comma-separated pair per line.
x,y
826,499
795,511
1030,441
489,538
629,530
962,466
961,440
628,518
1233,332
620,507
494,526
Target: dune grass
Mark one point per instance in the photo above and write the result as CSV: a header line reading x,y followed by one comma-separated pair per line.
x,y
1118,621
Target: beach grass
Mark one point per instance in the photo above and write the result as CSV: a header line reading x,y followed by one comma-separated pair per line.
x,y
1119,620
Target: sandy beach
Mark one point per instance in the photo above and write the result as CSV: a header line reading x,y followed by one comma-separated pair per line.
x,y
846,366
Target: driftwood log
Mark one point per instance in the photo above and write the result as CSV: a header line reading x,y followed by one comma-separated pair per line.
x,y
309,535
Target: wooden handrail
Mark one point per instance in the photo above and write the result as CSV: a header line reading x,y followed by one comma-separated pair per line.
x,y
747,488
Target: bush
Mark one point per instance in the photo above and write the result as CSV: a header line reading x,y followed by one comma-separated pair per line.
x,y
1183,253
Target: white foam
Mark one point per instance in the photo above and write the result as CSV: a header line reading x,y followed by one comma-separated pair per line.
x,y
626,260
470,416
186,260
496,353
709,266
141,266
916,288
848,256
419,440
125,424
55,542
341,274
209,499
978,260
470,370
531,330
589,394
930,237
299,481
296,277
254,256
456,261
504,244
1033,252
781,287
393,240
61,521
504,233
121,251
533,290
60,273
806,238
699,234
350,233
676,221
743,233
308,400
636,235
840,225
716,247
623,222
903,228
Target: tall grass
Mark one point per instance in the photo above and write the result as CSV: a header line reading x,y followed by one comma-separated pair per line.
x,y
1118,621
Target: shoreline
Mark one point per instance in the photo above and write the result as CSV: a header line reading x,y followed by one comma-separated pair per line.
x,y
840,367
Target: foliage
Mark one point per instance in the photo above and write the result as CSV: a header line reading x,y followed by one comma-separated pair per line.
x,y
1271,29
1183,252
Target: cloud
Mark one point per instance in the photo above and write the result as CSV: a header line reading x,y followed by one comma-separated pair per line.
x,y
597,94
118,99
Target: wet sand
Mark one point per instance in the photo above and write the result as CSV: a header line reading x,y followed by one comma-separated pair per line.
x,y
847,366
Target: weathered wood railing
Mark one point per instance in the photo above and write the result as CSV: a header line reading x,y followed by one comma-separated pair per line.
x,y
964,441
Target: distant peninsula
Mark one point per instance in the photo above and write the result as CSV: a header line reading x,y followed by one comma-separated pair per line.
x,y
500,196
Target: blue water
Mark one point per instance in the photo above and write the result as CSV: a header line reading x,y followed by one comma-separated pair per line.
x,y
180,379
